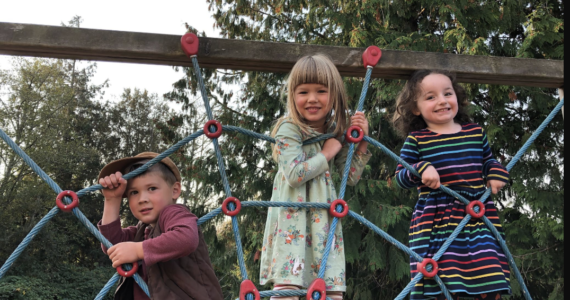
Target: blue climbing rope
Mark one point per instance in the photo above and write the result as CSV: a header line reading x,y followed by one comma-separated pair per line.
x,y
29,237
105,290
223,174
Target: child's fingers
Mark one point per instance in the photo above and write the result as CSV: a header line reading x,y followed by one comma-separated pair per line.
x,y
111,180
359,124
108,183
111,251
357,116
360,119
114,180
102,182
495,186
120,179
116,263
434,184
429,182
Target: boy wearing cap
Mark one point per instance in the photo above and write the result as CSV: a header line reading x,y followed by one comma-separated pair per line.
x,y
166,243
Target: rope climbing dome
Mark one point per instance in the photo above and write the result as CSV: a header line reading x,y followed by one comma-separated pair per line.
x,y
68,201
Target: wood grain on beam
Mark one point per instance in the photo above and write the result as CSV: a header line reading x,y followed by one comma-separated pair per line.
x,y
162,49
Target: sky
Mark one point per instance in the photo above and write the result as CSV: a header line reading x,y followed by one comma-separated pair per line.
x,y
166,17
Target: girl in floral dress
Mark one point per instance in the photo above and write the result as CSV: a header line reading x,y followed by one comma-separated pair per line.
x,y
295,238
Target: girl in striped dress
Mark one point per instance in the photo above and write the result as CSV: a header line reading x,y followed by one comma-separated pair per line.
x,y
447,149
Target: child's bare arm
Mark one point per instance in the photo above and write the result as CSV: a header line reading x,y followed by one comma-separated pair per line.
x,y
114,187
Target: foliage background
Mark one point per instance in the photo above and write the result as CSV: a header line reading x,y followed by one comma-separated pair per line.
x,y
50,108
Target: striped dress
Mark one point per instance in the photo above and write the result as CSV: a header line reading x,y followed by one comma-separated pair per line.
x,y
474,263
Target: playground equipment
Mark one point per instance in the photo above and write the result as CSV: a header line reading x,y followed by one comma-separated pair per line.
x,y
68,201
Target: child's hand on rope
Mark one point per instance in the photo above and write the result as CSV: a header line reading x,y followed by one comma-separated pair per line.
x,y
359,119
495,185
114,186
430,178
124,253
331,148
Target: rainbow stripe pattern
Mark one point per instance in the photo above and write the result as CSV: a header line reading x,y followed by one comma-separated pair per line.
x,y
474,263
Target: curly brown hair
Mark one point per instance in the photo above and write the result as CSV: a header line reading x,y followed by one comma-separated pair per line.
x,y
404,119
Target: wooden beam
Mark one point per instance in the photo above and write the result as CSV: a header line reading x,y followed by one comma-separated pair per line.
x,y
161,49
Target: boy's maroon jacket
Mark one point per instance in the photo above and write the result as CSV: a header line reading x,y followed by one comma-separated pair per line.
x,y
176,263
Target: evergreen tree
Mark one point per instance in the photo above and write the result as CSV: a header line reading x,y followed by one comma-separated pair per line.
x,y
52,111
531,207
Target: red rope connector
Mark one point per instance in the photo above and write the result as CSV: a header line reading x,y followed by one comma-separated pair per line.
x,y
247,287
470,209
129,273
335,213
422,267
317,286
352,139
67,207
216,134
226,210
190,44
371,56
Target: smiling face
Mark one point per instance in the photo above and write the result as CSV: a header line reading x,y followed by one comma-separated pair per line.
x,y
437,103
312,103
149,194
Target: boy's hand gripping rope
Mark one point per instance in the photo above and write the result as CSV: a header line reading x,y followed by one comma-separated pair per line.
x,y
62,196
213,129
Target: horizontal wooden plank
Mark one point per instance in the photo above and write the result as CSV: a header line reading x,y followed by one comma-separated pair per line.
x,y
162,49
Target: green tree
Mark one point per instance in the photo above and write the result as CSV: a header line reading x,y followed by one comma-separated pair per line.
x,y
48,112
51,110
531,207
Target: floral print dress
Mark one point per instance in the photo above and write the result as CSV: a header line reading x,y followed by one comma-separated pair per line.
x,y
295,238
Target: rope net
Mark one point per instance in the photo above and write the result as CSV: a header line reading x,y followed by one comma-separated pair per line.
x,y
231,207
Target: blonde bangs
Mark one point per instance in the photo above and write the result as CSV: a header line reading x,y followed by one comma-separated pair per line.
x,y
317,69
310,69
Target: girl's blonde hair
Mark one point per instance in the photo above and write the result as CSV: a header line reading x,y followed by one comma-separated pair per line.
x,y
317,69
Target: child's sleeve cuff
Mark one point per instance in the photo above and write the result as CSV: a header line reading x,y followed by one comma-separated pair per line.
x,y
498,174
421,167
495,171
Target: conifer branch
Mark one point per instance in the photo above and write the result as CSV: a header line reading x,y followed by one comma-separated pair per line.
x,y
232,110
535,252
